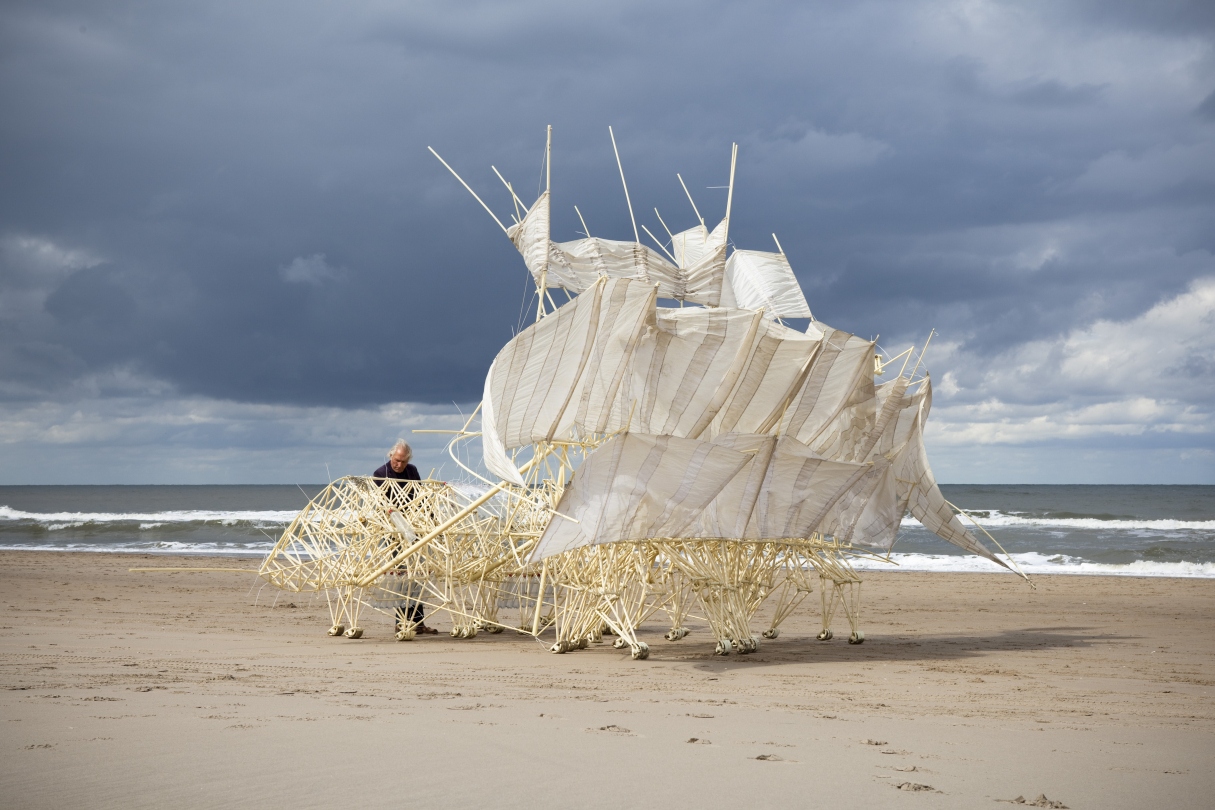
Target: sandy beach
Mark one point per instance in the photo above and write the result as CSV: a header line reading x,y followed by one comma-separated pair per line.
x,y
130,690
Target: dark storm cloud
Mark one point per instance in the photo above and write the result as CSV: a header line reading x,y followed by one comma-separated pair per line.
x,y
236,199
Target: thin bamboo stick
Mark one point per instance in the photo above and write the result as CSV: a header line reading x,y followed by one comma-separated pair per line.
x,y
685,191
660,247
636,236
470,191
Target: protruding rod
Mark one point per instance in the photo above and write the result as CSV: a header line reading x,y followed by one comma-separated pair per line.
x,y
542,284
470,191
518,202
636,236
778,247
730,195
917,362
585,229
660,246
685,191
664,225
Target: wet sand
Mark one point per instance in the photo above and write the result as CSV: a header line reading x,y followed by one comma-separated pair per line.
x,y
161,690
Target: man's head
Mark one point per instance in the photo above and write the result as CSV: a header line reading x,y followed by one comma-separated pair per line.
x,y
399,455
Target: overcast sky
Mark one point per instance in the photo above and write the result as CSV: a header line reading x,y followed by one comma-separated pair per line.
x,y
226,255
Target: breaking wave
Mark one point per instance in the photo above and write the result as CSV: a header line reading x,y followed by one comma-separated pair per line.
x,y
1034,563
125,521
996,519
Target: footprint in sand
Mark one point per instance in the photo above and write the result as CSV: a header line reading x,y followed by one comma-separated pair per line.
x,y
1041,801
917,787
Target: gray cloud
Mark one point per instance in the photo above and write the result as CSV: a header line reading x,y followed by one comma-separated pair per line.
x,y
235,203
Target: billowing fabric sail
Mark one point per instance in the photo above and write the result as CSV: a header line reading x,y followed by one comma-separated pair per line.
x,y
637,486
918,487
728,424
562,372
755,279
577,265
684,371
799,491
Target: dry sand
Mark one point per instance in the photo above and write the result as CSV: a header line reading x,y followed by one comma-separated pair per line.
x,y
191,690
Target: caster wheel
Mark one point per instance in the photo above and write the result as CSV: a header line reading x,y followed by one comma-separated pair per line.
x,y
406,635
676,633
561,646
620,643
723,648
772,633
494,629
337,630
581,644
641,651
457,631
826,635
470,632
354,632
856,638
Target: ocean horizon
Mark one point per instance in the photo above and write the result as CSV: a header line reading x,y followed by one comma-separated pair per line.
x,y
1115,529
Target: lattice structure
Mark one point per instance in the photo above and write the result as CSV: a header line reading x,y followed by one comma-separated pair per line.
x,y
691,461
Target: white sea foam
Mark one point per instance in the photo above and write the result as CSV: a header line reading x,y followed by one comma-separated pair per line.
x,y
63,520
1034,563
179,549
994,519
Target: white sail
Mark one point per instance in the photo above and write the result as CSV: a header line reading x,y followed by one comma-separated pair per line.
x,y
849,460
636,487
578,264
918,487
562,371
754,280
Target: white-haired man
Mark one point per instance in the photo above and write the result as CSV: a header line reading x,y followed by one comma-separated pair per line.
x,y
398,469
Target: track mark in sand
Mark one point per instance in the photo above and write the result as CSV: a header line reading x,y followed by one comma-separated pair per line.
x,y
615,729
698,741
474,707
773,758
916,787
38,746
1041,801
873,742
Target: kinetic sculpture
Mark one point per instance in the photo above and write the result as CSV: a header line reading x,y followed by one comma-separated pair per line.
x,y
696,460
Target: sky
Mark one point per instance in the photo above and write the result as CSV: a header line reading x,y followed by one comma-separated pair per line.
x,y
226,255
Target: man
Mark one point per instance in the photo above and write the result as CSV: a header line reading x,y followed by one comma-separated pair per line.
x,y
398,467
398,470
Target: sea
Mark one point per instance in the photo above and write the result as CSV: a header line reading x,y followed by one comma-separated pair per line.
x,y
1145,531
